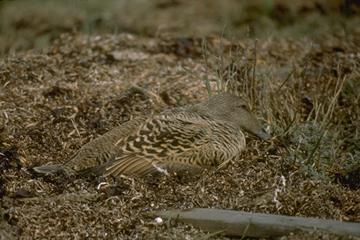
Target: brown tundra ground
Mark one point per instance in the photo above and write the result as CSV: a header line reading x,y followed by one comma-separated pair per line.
x,y
66,76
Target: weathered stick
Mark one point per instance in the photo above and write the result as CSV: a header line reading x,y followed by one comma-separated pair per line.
x,y
238,223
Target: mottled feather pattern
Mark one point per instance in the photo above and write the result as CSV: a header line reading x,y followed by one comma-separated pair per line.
x,y
176,139
101,150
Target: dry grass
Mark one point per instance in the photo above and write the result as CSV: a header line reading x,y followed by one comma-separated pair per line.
x,y
305,89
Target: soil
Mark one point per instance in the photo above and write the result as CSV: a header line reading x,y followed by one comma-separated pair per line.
x,y
56,99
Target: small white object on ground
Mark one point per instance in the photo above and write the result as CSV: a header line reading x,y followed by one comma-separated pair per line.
x,y
159,220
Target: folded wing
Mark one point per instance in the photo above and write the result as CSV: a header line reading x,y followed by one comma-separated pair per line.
x,y
162,143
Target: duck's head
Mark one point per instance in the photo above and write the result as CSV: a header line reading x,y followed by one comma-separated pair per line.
x,y
231,108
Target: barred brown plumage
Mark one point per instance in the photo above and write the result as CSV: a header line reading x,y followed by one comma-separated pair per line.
x,y
187,138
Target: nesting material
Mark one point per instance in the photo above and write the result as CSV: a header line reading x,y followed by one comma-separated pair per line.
x,y
55,102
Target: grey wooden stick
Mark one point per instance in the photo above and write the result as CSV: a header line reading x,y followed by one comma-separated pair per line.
x,y
238,223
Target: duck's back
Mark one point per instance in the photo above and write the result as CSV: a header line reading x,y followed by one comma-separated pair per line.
x,y
176,140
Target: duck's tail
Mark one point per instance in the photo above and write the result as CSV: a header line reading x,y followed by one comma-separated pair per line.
x,y
52,169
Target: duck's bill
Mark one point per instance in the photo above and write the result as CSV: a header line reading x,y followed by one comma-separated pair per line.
x,y
263,135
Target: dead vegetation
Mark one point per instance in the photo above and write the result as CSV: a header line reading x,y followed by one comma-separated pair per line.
x,y
53,101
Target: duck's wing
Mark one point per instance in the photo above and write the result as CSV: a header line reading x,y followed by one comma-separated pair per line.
x,y
161,142
101,149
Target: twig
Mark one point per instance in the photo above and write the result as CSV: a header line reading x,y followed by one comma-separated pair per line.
x,y
75,127
253,79
245,224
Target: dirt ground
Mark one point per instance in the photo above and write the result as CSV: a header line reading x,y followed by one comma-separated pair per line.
x,y
79,85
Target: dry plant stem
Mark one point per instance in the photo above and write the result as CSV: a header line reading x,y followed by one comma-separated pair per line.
x,y
253,79
222,61
220,57
288,127
265,101
338,88
286,79
205,59
316,147
211,235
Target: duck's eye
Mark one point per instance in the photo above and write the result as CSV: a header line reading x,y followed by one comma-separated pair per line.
x,y
243,106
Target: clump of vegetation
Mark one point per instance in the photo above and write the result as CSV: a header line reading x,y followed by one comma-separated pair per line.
x,y
308,110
